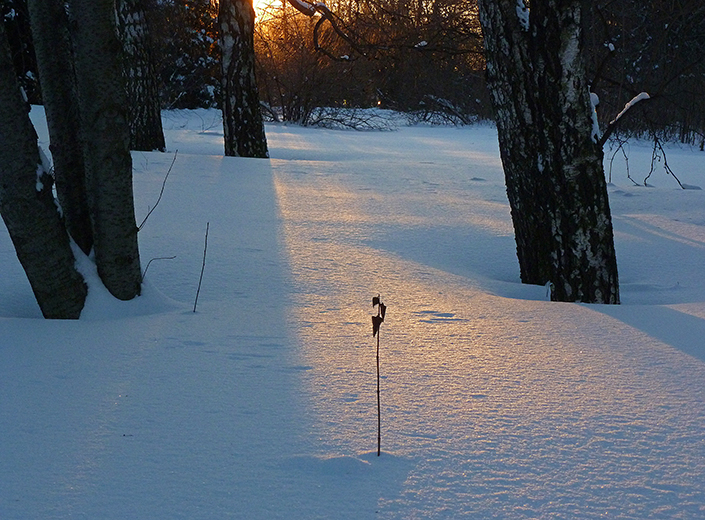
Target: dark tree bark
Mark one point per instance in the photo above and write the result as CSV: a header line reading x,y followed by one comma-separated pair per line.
x,y
145,117
106,134
53,50
28,207
242,119
551,157
14,15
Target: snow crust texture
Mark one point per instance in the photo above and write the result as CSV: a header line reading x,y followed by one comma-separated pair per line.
x,y
261,405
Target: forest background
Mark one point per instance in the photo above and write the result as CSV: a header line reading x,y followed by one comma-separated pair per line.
x,y
420,57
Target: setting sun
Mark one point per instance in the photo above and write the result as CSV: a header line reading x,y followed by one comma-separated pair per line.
x,y
263,6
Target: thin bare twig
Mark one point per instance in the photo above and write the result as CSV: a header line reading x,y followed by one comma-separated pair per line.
x,y
620,148
160,193
144,273
657,154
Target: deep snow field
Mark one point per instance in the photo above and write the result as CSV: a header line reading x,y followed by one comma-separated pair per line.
x,y
261,404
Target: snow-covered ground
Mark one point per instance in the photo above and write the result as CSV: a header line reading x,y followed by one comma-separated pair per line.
x,y
261,405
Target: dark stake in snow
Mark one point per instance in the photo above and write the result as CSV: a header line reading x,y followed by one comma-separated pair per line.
x,y
376,322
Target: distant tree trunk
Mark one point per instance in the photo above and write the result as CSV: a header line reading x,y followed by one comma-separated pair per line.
x,y
28,208
106,134
552,160
145,117
242,119
53,50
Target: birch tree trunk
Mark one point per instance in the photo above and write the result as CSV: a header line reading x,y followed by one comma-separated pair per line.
x,y
103,108
242,119
28,207
145,115
52,47
551,157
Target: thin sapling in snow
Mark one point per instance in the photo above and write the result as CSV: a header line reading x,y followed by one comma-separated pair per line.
x,y
659,154
161,192
203,267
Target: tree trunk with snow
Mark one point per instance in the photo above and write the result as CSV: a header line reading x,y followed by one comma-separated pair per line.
x,y
52,46
28,207
145,117
551,156
104,115
242,119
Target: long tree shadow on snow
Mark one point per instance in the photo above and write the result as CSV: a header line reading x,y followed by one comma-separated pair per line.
x,y
486,260
677,329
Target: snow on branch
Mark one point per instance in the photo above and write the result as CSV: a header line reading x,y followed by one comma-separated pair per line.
x,y
594,101
613,124
303,7
639,97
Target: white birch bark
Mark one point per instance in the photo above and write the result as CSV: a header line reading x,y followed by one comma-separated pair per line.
x,y
553,166
242,118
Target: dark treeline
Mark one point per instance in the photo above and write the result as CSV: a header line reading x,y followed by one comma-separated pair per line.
x,y
423,57
183,36
656,47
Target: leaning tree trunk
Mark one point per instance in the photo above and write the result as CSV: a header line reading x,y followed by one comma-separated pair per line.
x,y
551,157
28,207
145,115
106,134
52,46
242,119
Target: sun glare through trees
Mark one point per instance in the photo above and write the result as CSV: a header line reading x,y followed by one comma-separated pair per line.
x,y
263,7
